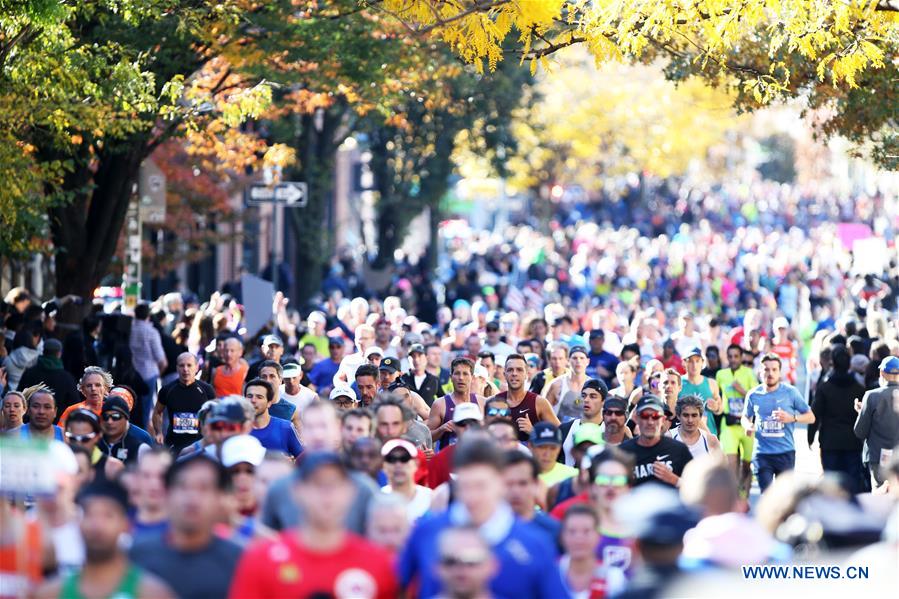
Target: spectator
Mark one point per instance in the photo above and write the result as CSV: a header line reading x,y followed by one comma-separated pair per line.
x,y
49,371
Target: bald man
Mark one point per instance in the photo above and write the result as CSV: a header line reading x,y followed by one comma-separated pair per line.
x,y
182,398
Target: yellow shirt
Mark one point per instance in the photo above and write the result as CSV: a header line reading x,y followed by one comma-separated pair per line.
x,y
559,473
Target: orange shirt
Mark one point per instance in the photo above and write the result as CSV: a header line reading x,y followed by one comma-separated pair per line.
x,y
226,383
20,564
72,408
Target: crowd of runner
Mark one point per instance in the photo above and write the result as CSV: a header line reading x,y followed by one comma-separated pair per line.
x,y
588,414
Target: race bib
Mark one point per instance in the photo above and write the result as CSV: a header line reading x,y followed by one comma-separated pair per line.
x,y
735,406
121,453
885,455
771,427
185,423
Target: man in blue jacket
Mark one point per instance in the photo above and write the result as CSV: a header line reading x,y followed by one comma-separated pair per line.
x,y
525,555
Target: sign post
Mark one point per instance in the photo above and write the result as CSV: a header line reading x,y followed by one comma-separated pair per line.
x,y
287,194
133,243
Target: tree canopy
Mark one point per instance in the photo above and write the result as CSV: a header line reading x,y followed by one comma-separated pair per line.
x,y
838,55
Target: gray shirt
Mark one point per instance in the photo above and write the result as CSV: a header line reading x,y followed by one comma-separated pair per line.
x,y
280,511
878,424
191,575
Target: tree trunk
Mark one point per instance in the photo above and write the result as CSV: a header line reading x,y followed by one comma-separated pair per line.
x,y
86,230
317,152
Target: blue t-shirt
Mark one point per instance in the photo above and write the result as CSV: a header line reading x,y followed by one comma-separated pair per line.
x,y
282,409
322,374
772,435
279,436
604,359
25,433
525,555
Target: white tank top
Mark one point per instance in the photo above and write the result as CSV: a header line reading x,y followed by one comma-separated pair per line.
x,y
698,448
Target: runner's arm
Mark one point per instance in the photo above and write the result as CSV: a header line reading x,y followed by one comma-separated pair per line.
x,y
419,406
552,392
545,412
156,422
435,419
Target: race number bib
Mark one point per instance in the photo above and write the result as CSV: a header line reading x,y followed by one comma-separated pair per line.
x,y
771,427
186,423
735,406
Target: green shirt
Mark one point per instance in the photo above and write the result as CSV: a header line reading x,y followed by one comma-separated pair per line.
x,y
320,343
128,587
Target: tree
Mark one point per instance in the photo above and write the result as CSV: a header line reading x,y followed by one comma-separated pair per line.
x,y
634,121
94,91
834,54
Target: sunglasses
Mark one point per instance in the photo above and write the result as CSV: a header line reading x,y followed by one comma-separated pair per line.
x,y
499,411
451,561
613,412
650,415
345,404
398,458
603,480
230,427
114,416
80,438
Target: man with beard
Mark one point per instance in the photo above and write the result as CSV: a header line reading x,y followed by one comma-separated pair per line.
x,y
527,408
107,572
593,394
658,458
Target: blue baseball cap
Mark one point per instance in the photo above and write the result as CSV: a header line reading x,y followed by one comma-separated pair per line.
x,y
890,365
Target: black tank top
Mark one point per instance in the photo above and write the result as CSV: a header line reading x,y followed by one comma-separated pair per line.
x,y
526,409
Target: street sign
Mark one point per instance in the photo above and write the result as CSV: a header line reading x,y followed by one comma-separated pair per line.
x,y
151,191
290,194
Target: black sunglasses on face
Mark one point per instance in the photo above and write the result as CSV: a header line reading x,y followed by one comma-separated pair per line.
x,y
398,458
613,412
114,416
80,438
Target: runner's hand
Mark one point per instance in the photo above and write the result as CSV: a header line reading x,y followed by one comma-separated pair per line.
x,y
664,473
524,425
784,416
159,438
448,427
858,405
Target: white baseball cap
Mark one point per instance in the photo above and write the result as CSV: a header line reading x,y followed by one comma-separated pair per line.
x,y
271,340
291,370
374,349
780,323
240,449
343,392
401,443
467,411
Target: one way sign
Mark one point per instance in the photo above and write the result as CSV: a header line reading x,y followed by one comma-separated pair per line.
x,y
292,194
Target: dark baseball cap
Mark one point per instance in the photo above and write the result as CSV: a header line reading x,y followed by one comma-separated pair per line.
x,y
390,365
114,403
492,326
577,349
227,411
416,348
312,462
650,402
613,402
597,385
545,433
597,333
105,489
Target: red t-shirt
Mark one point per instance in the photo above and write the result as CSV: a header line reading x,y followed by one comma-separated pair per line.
x,y
284,568
440,467
560,509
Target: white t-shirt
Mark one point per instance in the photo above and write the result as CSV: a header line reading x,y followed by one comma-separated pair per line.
x,y
348,366
420,503
302,399
684,344
500,350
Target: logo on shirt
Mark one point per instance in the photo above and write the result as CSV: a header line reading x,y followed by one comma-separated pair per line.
x,y
355,584
288,573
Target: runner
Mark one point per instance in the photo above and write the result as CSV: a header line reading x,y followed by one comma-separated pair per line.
x,y
272,349
94,386
228,379
564,393
273,433
41,412
151,515
182,399
121,439
546,445
107,572
693,383
690,412
466,564
614,419
558,365
527,407
440,419
602,363
584,575
418,379
83,430
321,557
400,463
772,409
735,382
521,477
273,373
593,394
658,458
